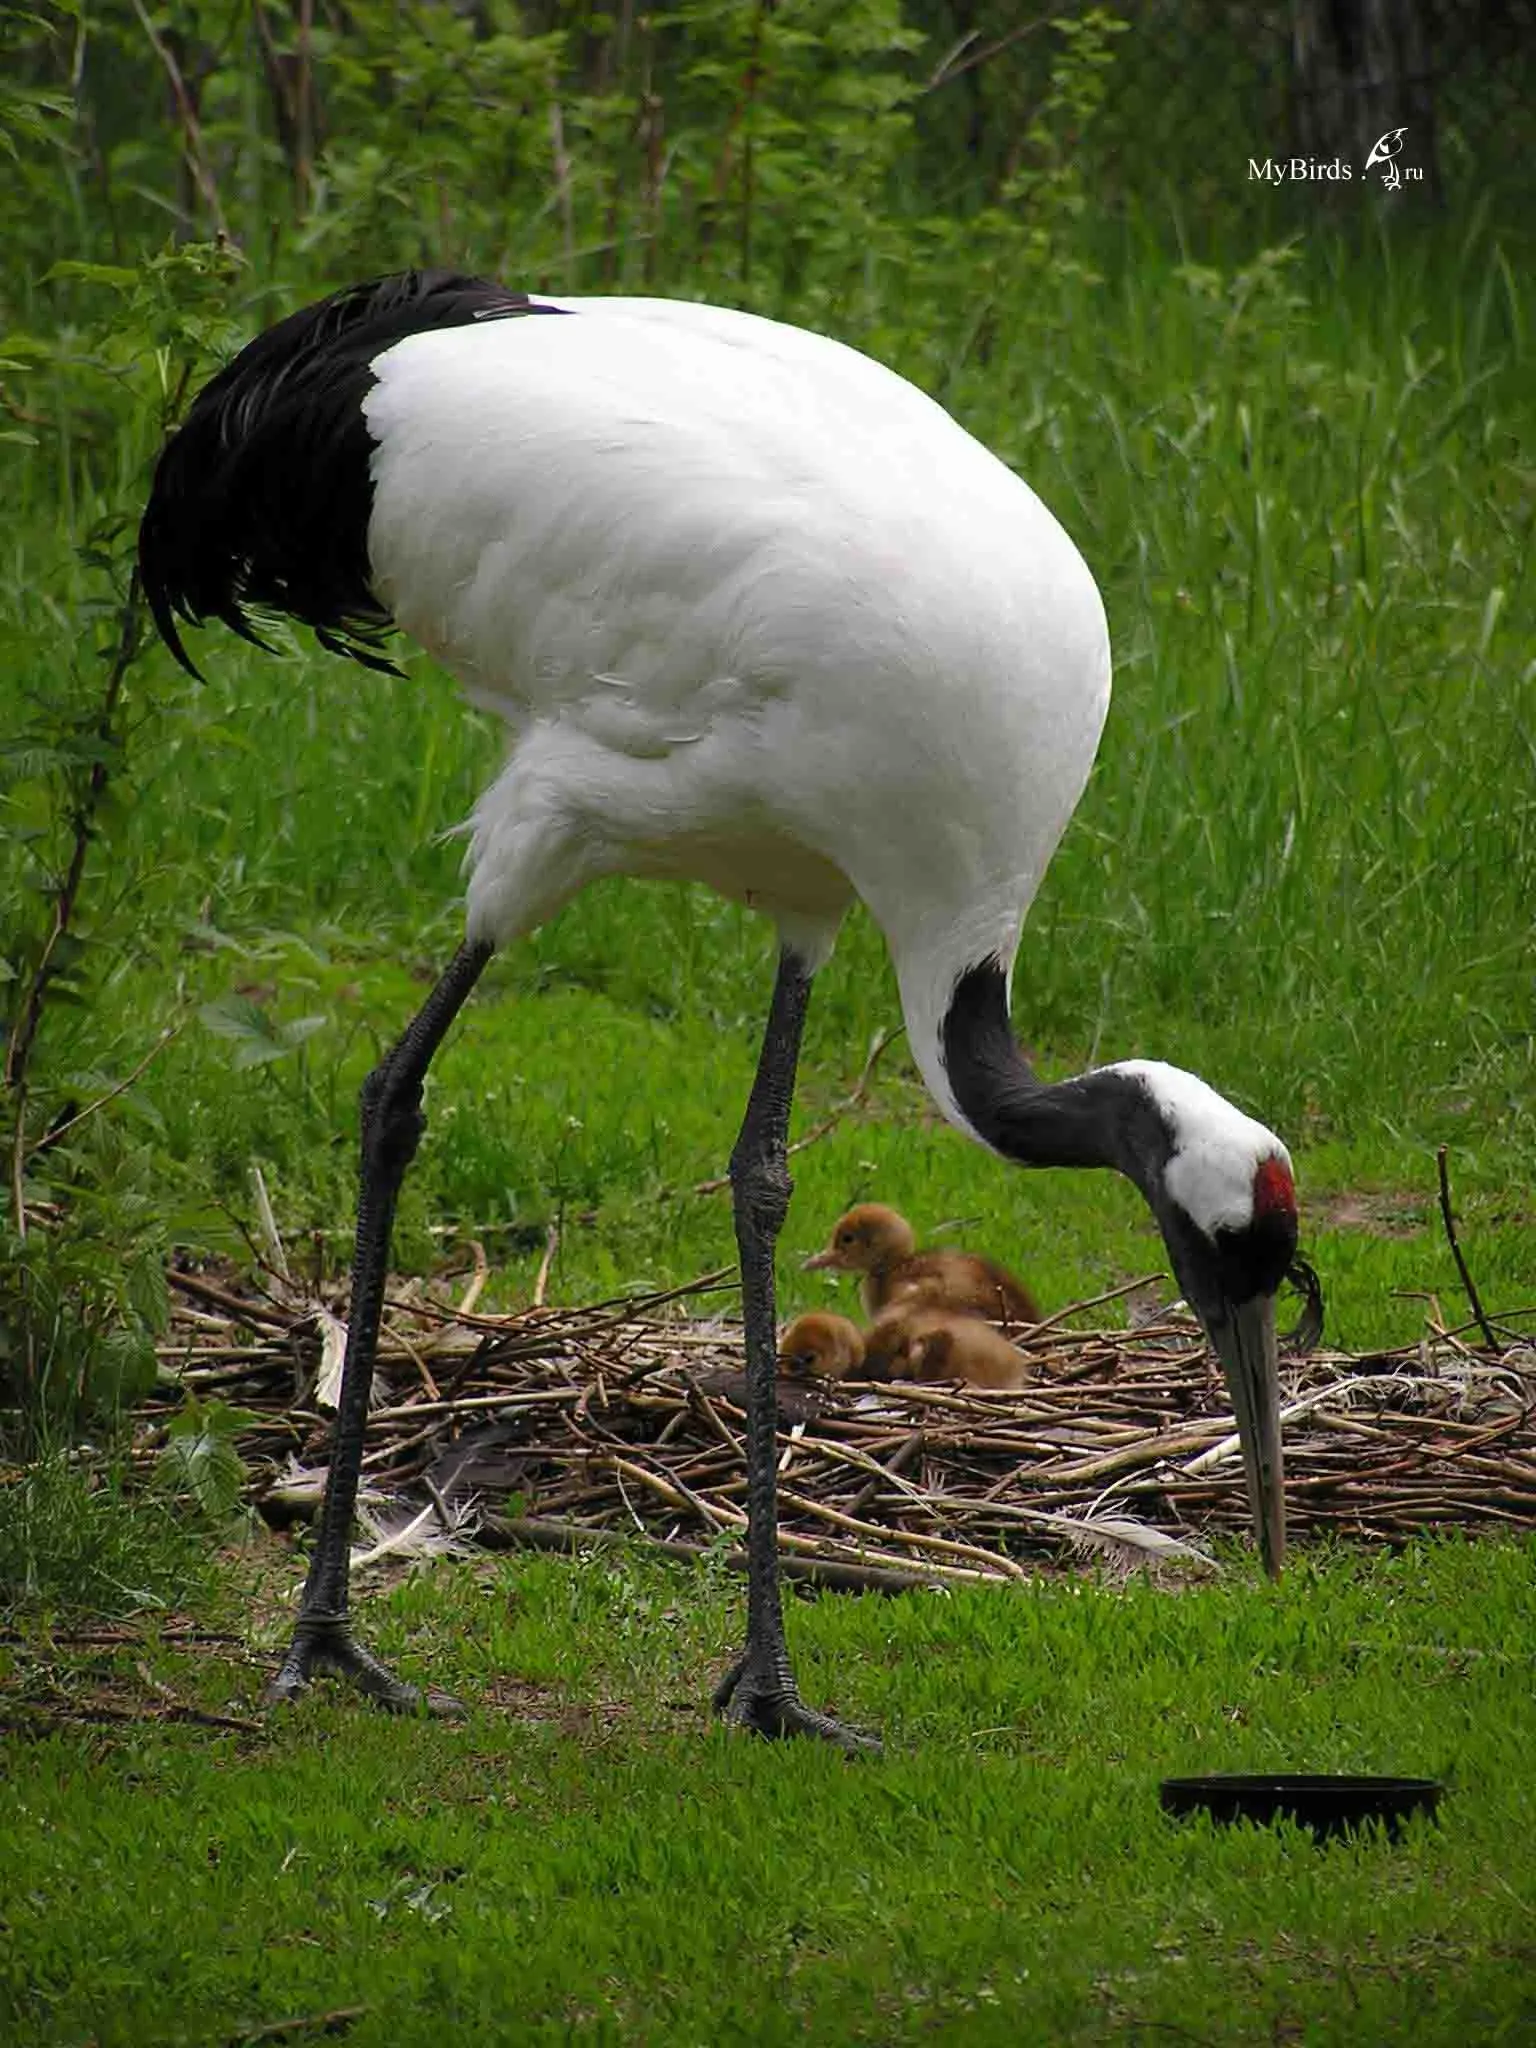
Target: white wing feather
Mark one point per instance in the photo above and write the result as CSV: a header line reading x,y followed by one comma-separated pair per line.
x,y
742,596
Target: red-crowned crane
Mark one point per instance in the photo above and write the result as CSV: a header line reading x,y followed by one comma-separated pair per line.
x,y
757,612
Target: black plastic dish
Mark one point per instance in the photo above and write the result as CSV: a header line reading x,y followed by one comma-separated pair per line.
x,y
1328,1806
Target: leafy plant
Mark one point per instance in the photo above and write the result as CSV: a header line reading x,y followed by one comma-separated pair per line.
x,y
199,1460
255,1036
80,1250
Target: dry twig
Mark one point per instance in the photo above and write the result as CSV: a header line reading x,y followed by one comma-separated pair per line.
x,y
1456,1253
854,1099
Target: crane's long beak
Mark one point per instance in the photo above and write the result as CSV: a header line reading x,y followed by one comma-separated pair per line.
x,y
1244,1337
820,1262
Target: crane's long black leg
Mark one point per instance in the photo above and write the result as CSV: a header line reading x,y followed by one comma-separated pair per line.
x,y
392,1126
759,1690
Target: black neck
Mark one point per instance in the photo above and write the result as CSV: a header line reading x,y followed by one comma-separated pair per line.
x,y
1099,1119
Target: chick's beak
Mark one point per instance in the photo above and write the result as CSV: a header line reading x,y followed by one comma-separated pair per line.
x,y
821,1262
1244,1337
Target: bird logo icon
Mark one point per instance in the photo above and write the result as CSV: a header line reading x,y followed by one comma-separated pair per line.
x,y
1384,150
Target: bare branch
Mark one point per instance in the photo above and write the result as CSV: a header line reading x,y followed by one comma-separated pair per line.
x,y
52,1137
1473,1300
191,127
853,1100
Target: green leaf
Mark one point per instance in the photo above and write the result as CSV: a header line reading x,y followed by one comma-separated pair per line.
x,y
256,1035
207,1467
115,275
200,1458
211,1418
17,349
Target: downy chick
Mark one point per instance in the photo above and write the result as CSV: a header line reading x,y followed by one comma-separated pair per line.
x,y
879,1244
826,1344
915,1342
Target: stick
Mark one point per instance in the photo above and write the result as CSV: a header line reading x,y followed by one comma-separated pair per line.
x,y
337,2022
1076,1308
191,127
890,1468
83,817
482,1273
560,163
238,1306
56,1131
853,1100
434,1392
1461,1265
266,1224
541,1278
173,1710
957,63
903,1536
676,1494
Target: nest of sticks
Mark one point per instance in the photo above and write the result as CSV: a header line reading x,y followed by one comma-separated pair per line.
x,y
562,1427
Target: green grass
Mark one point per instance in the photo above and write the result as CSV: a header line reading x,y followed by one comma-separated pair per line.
x,y
588,1859
77,1537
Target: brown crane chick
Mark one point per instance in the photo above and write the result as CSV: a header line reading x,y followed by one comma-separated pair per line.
x,y
915,1342
821,1344
874,1241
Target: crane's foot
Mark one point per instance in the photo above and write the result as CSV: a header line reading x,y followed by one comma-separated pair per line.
x,y
325,1642
766,1701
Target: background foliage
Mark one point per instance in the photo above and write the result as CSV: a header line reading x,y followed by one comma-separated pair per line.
x,y
1288,424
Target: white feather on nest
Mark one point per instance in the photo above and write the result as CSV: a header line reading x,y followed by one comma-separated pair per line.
x,y
333,1358
402,1534
397,1529
1120,1538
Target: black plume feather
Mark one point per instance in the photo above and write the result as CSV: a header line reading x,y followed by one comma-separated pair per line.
x,y
262,499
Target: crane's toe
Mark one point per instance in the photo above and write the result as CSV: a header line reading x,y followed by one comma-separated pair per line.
x,y
326,1643
769,1706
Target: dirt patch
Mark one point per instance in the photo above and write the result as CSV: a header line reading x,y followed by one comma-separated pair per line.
x,y
1374,1213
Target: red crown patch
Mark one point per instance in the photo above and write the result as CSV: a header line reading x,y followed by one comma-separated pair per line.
x,y
1274,1192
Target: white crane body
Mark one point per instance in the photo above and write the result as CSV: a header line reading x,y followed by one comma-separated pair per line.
x,y
746,601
